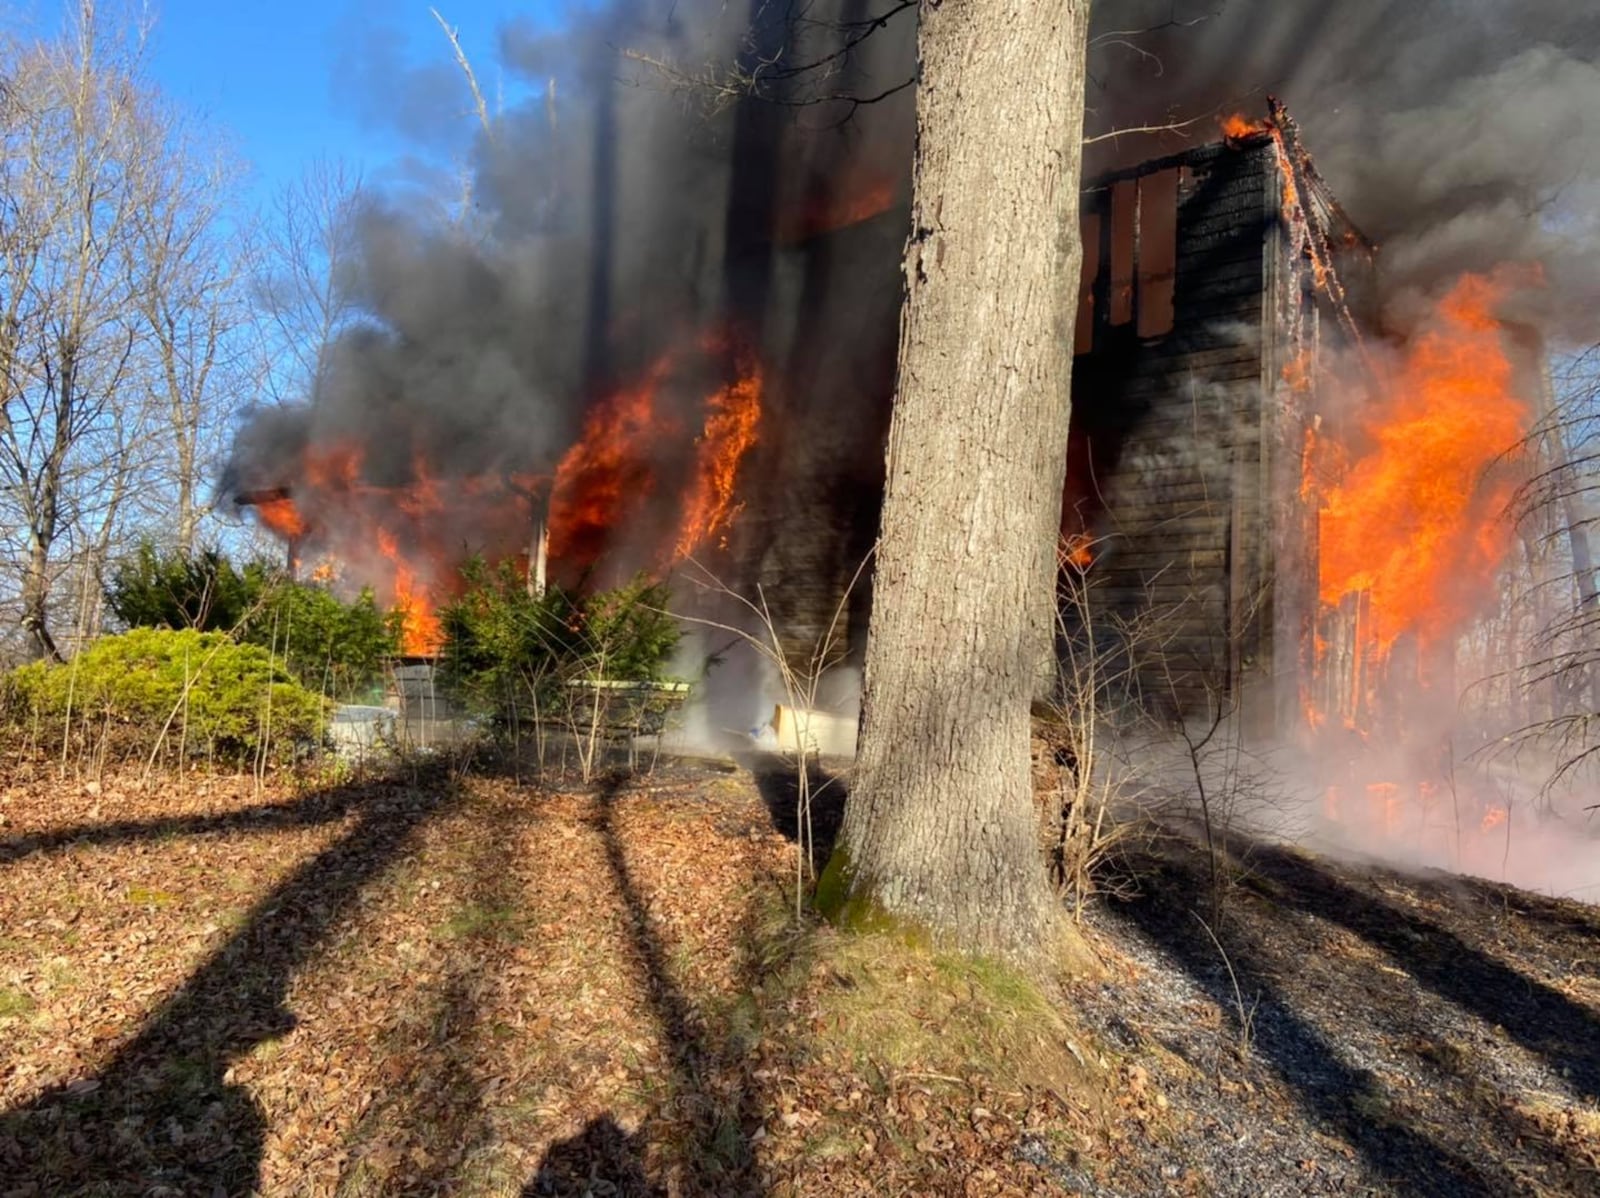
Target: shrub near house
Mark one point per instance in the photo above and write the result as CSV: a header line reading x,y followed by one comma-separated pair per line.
x,y
333,646
200,690
512,655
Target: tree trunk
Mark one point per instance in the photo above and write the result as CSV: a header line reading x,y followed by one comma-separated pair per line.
x,y
35,599
940,829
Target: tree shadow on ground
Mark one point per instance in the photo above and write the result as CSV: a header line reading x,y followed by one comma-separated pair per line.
x,y
435,1110
163,1116
716,1101
1542,1020
778,782
1245,979
320,807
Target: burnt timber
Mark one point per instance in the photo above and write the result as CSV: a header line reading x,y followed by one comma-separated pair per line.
x,y
1188,426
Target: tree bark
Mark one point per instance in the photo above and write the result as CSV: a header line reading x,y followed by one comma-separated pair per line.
x,y
940,829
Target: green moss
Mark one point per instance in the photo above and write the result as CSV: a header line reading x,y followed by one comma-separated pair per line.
x,y
488,920
143,896
900,1006
851,907
14,1003
833,887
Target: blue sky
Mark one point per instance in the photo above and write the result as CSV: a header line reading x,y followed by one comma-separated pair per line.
x,y
279,77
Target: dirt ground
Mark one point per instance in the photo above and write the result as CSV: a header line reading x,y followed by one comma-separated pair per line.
x,y
429,985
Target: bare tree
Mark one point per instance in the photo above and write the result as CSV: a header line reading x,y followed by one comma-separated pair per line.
x,y
120,318
305,241
187,278
1541,679
69,163
940,828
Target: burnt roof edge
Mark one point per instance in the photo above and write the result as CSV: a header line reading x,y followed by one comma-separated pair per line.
x,y
1193,156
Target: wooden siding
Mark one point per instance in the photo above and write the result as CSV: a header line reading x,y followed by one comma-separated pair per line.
x,y
1180,441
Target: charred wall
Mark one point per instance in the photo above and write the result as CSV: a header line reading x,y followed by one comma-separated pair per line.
x,y
1178,470
817,474
1184,451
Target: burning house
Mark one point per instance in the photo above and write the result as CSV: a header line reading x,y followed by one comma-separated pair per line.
x,y
1212,280
674,341
1217,291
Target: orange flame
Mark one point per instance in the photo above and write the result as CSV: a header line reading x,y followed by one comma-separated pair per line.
x,y
1236,125
838,209
404,535
282,517
731,423
334,467
421,634
1416,523
607,471
1386,803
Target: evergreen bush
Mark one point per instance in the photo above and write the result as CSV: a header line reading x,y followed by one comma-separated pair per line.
x,y
334,647
131,687
510,652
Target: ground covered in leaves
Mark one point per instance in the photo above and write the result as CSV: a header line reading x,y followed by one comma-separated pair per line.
x,y
430,985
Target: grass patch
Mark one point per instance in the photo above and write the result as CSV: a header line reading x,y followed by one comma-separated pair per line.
x,y
891,1007
14,1004
907,1008
144,896
486,920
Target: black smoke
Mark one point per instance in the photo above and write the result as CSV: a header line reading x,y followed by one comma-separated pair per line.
x,y
623,206
1460,134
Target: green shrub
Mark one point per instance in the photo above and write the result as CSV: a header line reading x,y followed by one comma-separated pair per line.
x,y
507,650
202,590
333,647
133,684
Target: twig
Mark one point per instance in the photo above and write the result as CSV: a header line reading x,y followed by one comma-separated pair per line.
x,y
1246,1016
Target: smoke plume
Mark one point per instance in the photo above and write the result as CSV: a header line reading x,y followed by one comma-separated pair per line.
x,y
1460,134
616,214
684,173
612,215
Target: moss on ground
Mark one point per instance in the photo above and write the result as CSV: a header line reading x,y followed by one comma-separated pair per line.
x,y
882,1000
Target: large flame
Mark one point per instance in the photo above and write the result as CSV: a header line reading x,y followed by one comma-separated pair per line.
x,y
732,417
608,472
420,632
279,513
1417,523
634,481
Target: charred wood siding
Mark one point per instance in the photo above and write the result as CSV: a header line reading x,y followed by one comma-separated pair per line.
x,y
1173,432
1181,465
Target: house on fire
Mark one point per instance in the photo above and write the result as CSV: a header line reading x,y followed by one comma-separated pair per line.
x,y
1209,284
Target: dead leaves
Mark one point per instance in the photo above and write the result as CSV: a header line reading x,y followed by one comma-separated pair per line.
x,y
437,1009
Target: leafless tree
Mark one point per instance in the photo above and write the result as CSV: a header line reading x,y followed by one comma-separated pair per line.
x,y
1540,654
188,272
71,160
119,318
306,239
